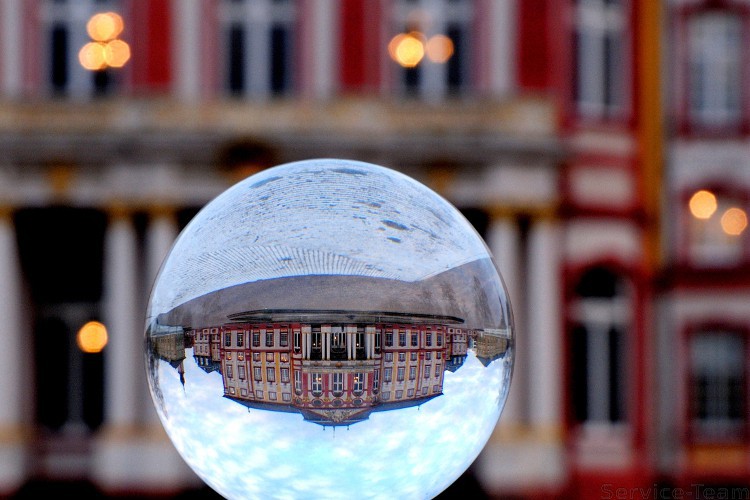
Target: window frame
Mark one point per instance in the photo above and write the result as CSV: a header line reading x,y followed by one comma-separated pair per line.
x,y
600,19
695,436
686,123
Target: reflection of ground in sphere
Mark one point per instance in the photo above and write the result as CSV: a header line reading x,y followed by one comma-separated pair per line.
x,y
329,329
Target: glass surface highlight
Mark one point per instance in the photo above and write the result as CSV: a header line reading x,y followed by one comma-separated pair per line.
x,y
329,329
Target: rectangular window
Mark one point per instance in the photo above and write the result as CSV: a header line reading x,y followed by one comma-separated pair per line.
x,y
359,382
402,338
269,339
284,338
414,340
337,383
297,341
427,371
718,382
387,374
400,374
240,339
376,380
412,372
259,394
360,339
428,340
399,394
402,357
316,381
269,357
272,396
257,373
258,46
270,374
601,57
298,382
438,367
440,340
229,371
388,357
256,338
286,397
428,356
256,356
377,341
413,356
285,375
227,339
715,68
389,338
410,393
241,372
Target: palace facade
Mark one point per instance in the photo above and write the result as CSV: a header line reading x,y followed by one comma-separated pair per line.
x,y
334,368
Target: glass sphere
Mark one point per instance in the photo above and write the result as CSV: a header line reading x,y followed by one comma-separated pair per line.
x,y
331,329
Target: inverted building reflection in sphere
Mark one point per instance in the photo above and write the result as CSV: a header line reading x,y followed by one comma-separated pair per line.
x,y
331,329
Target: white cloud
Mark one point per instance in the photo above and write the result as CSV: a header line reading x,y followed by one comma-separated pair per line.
x,y
407,453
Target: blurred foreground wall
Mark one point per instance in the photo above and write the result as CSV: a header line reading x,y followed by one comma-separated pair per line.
x,y
599,146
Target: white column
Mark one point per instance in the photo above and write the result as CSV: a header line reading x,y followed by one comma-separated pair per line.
x,y
325,46
503,238
11,21
14,376
123,356
187,43
502,45
545,324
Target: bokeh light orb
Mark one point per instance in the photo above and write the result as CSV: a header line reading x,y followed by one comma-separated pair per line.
x,y
329,329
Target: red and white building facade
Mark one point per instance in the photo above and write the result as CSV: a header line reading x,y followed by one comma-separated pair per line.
x,y
335,373
573,133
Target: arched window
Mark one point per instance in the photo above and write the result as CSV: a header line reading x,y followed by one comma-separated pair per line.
x,y
598,346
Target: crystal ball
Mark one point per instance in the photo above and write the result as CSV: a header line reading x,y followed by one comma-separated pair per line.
x,y
332,329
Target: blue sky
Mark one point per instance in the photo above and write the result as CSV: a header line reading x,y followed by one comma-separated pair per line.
x,y
407,453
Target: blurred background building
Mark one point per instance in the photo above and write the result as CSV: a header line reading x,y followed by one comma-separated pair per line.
x,y
601,147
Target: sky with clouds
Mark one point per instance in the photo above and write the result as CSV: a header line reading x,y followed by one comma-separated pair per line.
x,y
408,453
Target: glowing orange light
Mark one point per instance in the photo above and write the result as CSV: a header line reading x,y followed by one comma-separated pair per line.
x,y
105,26
92,337
116,53
439,48
702,204
407,49
734,221
91,56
